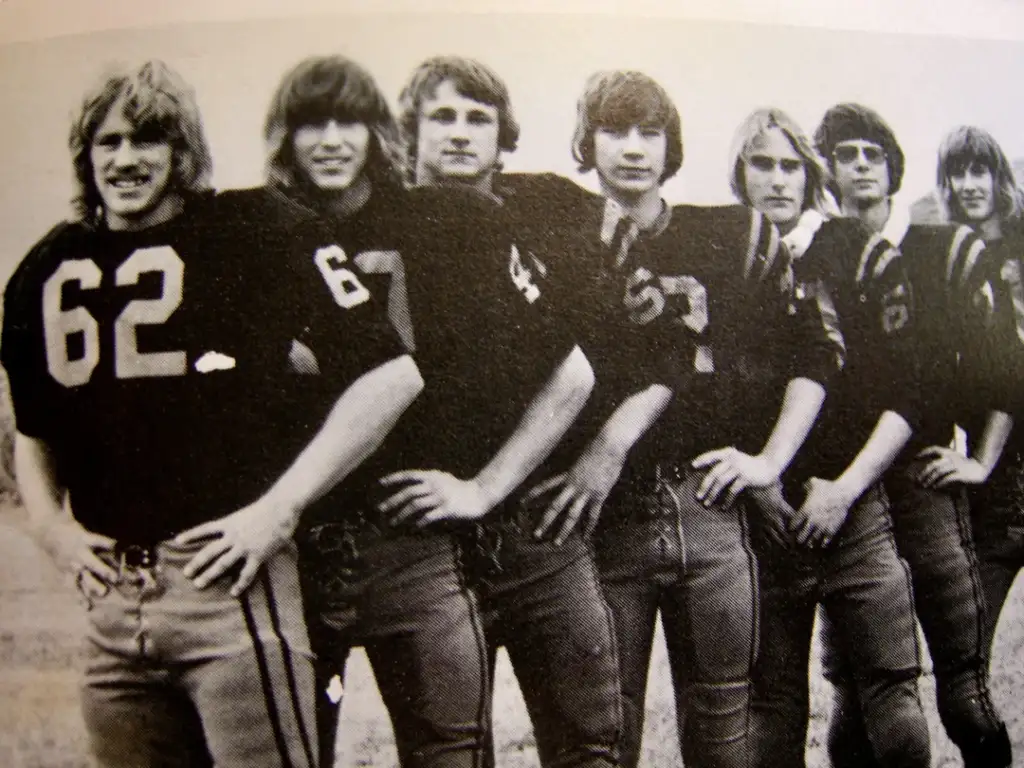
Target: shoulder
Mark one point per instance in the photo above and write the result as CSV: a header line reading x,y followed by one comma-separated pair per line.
x,y
53,247
260,206
541,188
736,231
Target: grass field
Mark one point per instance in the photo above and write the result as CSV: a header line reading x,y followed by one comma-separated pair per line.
x,y
40,724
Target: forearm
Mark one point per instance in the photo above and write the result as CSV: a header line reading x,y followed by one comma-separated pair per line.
x,y
41,494
543,424
800,407
887,439
630,421
355,427
993,439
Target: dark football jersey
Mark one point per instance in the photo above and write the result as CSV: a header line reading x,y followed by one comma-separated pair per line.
x,y
485,335
155,363
701,303
948,268
867,285
992,359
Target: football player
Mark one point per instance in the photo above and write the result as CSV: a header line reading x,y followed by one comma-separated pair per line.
x,y
947,272
693,302
837,547
373,578
540,600
144,353
978,186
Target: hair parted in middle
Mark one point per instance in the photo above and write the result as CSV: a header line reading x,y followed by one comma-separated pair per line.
x,y
619,99
756,125
471,79
967,144
156,101
849,121
316,90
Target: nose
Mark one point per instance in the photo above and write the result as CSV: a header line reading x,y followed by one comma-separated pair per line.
x,y
778,177
861,163
332,135
634,143
125,154
459,131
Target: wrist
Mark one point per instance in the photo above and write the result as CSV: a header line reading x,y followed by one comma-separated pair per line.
x,y
849,488
489,496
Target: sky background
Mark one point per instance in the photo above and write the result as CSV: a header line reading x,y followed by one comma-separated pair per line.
x,y
716,71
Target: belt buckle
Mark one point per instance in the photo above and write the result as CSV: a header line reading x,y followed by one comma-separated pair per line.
x,y
135,556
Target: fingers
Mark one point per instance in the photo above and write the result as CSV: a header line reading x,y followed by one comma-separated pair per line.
x,y
91,585
711,457
932,451
735,489
95,565
593,517
716,481
403,497
554,510
246,576
200,532
205,556
570,520
97,541
417,506
541,488
405,476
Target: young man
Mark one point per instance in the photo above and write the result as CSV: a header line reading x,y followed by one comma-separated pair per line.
x,y
945,267
540,600
373,579
695,302
145,356
978,186
837,549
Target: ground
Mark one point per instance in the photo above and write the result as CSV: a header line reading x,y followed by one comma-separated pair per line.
x,y
40,723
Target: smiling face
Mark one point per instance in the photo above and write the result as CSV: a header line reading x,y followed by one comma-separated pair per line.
x,y
630,161
973,189
331,155
861,172
133,172
775,178
457,139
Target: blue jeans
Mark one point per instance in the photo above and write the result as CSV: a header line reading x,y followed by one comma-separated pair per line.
x,y
402,597
176,676
933,534
864,588
658,549
544,605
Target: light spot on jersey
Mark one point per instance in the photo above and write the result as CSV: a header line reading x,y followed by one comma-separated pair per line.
x,y
522,277
335,690
214,361
302,360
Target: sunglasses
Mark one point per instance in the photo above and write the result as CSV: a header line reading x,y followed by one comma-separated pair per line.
x,y
847,154
767,164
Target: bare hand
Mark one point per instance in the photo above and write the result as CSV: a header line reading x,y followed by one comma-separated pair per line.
x,y
822,514
947,467
730,471
75,550
250,536
776,511
584,489
432,495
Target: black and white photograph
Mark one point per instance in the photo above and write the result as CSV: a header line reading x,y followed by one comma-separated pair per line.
x,y
489,385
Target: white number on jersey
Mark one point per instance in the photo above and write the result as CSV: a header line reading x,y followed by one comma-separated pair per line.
x,y
522,277
696,319
1010,274
648,302
348,292
129,363
645,299
59,324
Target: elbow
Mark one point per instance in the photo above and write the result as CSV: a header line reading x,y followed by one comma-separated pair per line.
x,y
409,380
